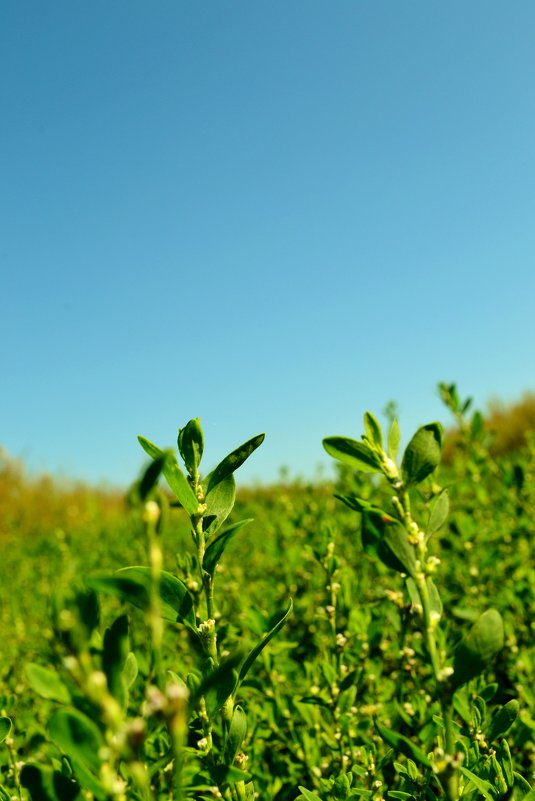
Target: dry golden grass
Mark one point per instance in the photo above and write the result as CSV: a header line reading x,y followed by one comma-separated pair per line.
x,y
35,504
511,423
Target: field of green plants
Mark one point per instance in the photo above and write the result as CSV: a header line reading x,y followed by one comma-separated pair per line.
x,y
369,638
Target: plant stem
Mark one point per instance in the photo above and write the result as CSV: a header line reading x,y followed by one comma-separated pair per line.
x,y
402,504
13,761
154,616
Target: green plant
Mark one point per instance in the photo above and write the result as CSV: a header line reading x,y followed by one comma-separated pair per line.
x,y
183,731
456,759
153,681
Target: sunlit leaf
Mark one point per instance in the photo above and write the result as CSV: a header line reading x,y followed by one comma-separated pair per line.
x,y
356,454
47,683
234,460
257,650
174,476
422,454
476,651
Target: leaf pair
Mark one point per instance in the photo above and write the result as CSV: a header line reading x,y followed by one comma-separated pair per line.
x,y
174,476
191,444
420,459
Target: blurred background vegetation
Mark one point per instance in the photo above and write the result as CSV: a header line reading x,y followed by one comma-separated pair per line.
x,y
40,504
54,532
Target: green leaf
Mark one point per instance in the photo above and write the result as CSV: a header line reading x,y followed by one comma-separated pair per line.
x,y
356,454
484,787
47,683
216,548
403,745
178,484
130,670
359,504
394,437
116,646
461,704
315,700
414,595
234,460
257,650
387,539
523,790
126,589
150,477
422,454
87,607
219,503
78,737
133,585
174,476
503,755
236,735
503,720
308,796
88,780
218,685
5,728
489,691
84,608
373,430
176,601
477,650
350,679
191,445
440,507
477,424
150,448
45,784
435,601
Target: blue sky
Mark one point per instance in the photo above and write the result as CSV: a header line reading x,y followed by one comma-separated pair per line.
x,y
273,216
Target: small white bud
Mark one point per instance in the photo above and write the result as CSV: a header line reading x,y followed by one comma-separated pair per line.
x,y
151,512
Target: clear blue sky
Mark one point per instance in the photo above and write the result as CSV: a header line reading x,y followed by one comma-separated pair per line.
x,y
272,215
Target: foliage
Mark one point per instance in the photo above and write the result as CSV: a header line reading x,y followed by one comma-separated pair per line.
x,y
511,424
505,428
371,639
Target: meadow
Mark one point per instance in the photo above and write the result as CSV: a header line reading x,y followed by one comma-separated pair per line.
x,y
366,638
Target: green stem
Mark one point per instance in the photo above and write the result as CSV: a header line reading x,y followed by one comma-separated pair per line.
x,y
429,627
154,616
240,791
209,592
402,504
13,761
200,541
